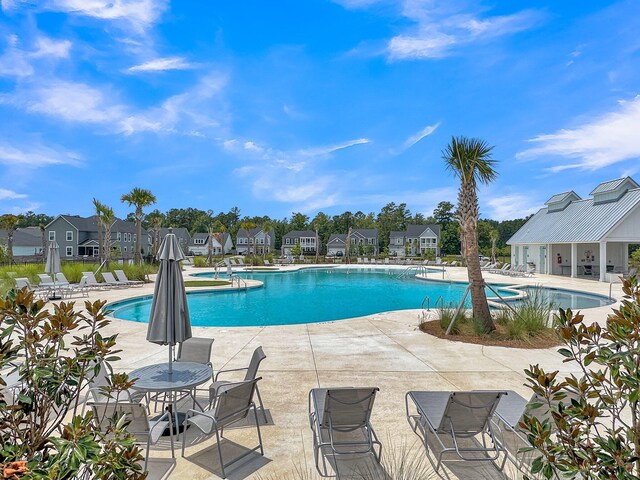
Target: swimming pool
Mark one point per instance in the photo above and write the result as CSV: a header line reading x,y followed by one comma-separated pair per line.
x,y
304,296
307,296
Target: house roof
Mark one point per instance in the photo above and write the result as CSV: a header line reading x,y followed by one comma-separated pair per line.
x,y
90,224
178,231
299,233
338,238
417,230
581,221
365,232
25,237
559,197
205,237
252,232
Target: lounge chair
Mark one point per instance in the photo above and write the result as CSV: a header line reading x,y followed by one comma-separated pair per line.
x,y
61,279
340,422
503,269
146,432
233,403
511,410
122,278
92,281
489,266
267,263
42,292
109,279
251,372
455,416
45,280
72,288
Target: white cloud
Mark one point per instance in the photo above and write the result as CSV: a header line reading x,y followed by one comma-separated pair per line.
x,y
312,152
140,14
439,27
36,156
17,62
10,194
425,132
162,64
48,47
606,140
508,207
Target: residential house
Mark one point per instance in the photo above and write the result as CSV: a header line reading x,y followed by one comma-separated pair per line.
x,y
305,238
27,242
78,236
255,241
199,244
416,240
182,234
364,241
587,237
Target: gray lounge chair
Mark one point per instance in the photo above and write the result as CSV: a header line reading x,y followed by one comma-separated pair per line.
x,y
42,292
340,419
45,280
122,278
61,279
92,281
146,432
511,410
455,416
250,374
109,279
233,403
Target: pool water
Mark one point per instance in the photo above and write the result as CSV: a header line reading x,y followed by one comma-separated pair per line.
x,y
305,296
321,294
567,298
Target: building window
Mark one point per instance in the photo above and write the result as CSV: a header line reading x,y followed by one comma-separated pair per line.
x,y
119,236
287,241
69,235
135,237
52,235
125,249
69,251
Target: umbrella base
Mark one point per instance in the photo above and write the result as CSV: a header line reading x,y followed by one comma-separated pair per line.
x,y
179,429
55,297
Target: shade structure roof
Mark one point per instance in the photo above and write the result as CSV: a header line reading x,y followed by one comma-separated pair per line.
x,y
581,221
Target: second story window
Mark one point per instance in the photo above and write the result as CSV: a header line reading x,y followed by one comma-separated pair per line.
x,y
52,235
69,235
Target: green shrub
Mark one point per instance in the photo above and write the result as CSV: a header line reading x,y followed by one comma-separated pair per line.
x,y
199,262
530,318
445,315
502,316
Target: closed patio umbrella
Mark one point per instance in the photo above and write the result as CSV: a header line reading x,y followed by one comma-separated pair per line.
x,y
53,264
169,321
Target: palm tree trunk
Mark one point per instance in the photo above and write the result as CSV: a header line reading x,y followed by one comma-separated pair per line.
x,y
137,256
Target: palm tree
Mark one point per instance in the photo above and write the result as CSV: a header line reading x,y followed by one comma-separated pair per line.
x,y
470,160
9,222
106,218
494,235
266,228
347,246
140,198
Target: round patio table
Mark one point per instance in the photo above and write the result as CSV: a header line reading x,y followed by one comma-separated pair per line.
x,y
185,376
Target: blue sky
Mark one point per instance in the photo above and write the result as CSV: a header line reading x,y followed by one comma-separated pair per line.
x,y
311,106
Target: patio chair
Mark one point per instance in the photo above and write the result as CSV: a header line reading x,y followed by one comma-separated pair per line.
x,y
587,270
122,278
250,374
233,403
109,279
97,392
61,279
196,350
340,422
146,432
69,289
456,416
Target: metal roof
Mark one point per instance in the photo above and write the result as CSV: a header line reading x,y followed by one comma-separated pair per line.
x,y
612,185
581,222
559,197
299,234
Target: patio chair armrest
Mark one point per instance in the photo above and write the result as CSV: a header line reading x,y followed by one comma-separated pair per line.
x,y
226,370
165,417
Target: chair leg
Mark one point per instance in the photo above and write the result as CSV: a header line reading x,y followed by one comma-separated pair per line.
x,y
220,453
255,414
264,414
146,456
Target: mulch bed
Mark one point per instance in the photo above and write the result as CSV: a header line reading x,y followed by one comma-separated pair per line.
x,y
495,339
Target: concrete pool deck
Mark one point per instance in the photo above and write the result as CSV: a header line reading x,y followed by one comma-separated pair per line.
x,y
384,350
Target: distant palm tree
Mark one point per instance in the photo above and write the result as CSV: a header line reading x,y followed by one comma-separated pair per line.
x,y
106,218
266,228
470,160
494,235
9,222
140,198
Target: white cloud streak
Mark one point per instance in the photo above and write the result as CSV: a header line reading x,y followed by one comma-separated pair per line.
x,y
508,207
606,140
425,132
162,64
36,156
16,62
10,194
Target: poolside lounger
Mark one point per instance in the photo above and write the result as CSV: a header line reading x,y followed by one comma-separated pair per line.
x,y
122,278
456,416
92,281
489,266
511,410
340,422
45,280
61,279
232,404
82,287
111,280
40,291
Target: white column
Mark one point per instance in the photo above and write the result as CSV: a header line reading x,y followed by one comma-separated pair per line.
x,y
574,260
625,257
603,261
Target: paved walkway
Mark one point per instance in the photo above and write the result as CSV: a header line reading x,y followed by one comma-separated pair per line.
x,y
385,350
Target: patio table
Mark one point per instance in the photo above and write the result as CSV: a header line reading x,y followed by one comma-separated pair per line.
x,y
185,376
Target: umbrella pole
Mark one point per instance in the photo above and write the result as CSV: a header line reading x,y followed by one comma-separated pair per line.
x,y
170,359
